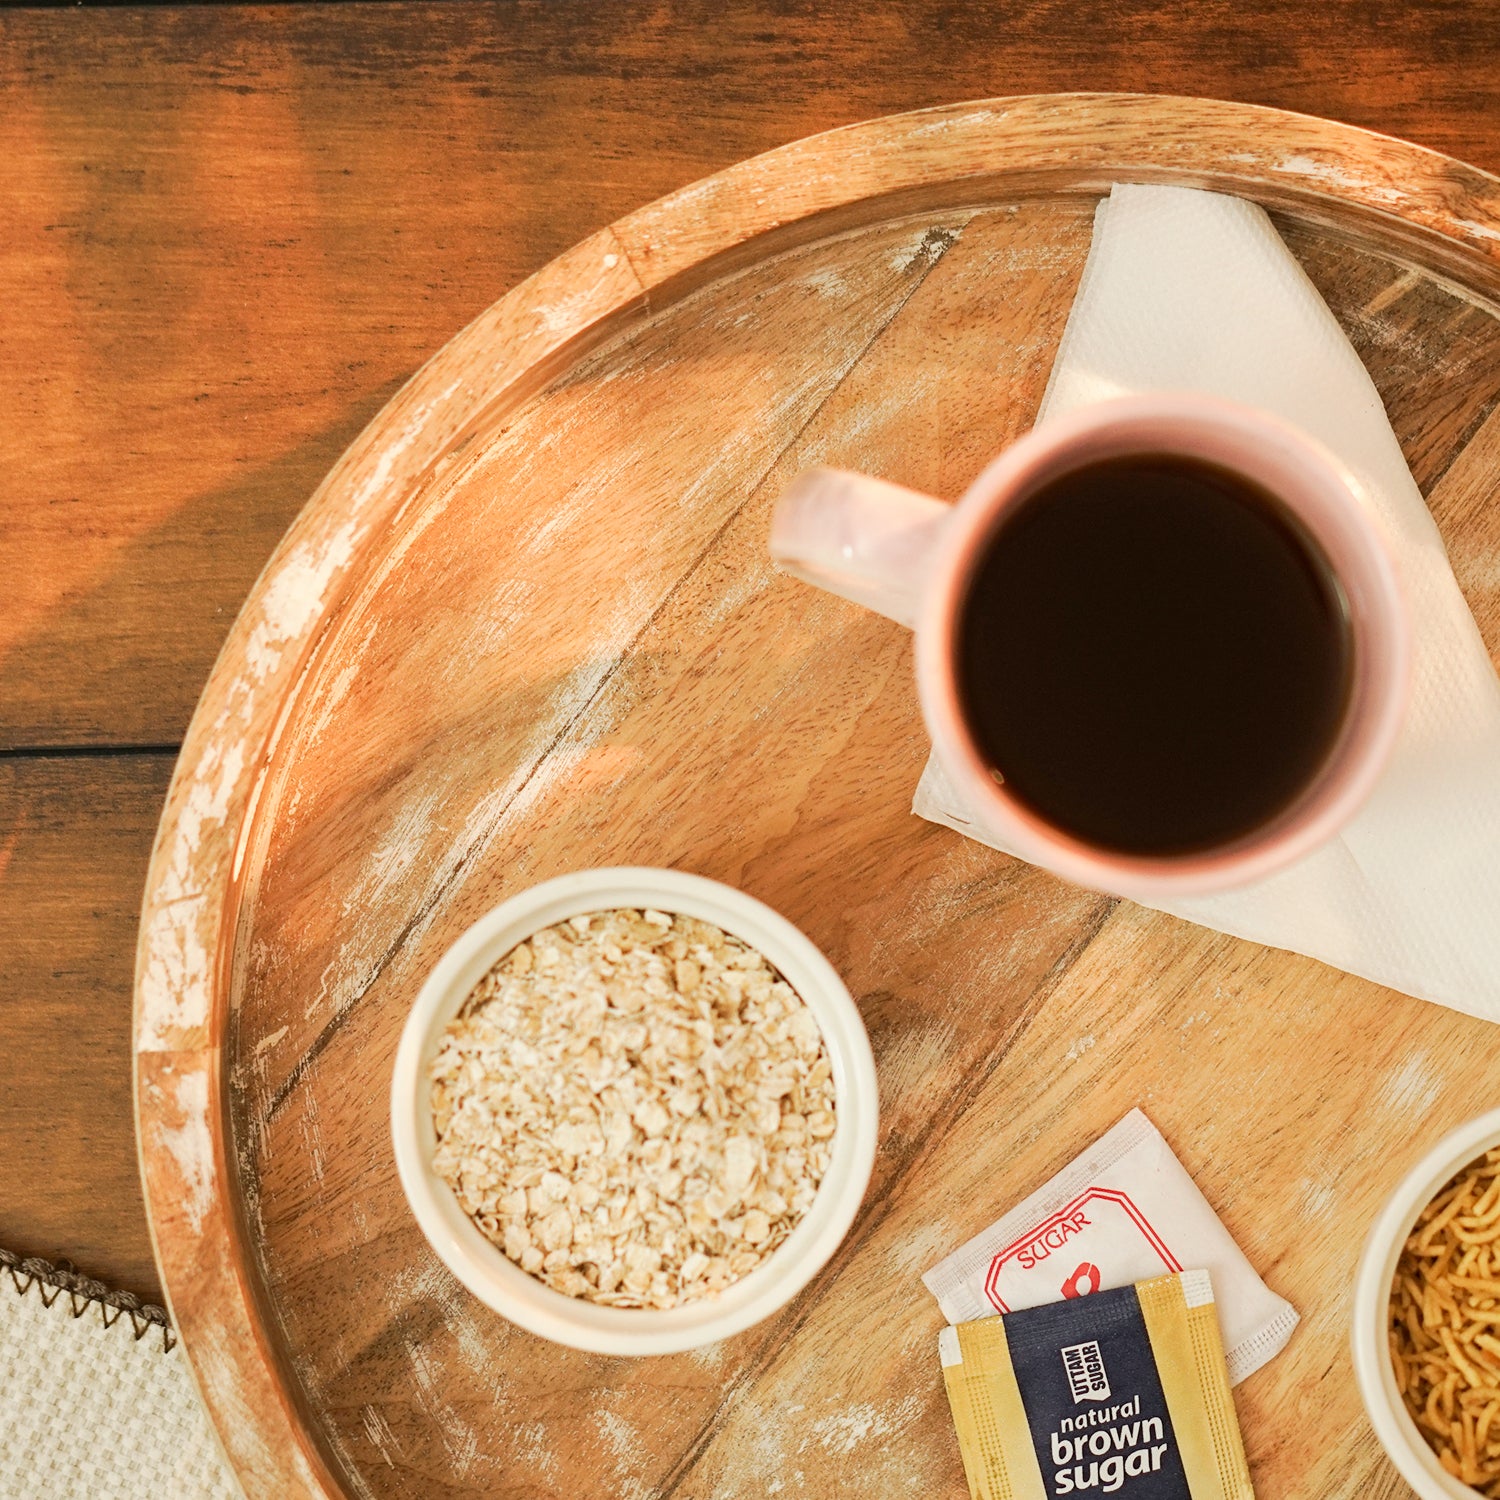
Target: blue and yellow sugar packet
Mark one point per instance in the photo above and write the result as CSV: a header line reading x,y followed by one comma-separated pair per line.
x,y
1117,1393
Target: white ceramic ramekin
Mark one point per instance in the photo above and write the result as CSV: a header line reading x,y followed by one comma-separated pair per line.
x,y
483,1268
1399,1435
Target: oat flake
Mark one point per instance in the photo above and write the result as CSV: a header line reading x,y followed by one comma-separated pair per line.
x,y
635,1107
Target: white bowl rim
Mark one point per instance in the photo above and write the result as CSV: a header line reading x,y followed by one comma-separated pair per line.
x,y
483,1268
1399,1435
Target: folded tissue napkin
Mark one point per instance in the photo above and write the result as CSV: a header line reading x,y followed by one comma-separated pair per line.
x,y
1188,290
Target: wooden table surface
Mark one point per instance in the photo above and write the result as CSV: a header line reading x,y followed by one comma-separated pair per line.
x,y
228,234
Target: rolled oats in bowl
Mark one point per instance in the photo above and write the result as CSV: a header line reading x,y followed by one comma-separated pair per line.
x,y
634,1106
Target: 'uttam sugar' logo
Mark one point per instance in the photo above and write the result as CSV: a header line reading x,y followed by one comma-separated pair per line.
x,y
1086,1377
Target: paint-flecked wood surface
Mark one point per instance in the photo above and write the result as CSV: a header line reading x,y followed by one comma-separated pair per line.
x,y
75,837
528,625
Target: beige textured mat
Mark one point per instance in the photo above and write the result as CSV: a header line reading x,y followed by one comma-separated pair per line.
x,y
96,1399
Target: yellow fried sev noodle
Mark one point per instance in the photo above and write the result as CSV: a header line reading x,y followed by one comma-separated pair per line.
x,y
1445,1311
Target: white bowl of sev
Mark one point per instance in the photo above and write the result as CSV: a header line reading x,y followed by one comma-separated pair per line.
x,y
481,1265
1427,1318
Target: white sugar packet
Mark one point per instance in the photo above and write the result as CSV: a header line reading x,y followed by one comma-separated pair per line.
x,y
1124,1211
1188,290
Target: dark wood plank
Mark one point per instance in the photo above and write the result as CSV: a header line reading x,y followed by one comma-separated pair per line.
x,y
231,231
75,835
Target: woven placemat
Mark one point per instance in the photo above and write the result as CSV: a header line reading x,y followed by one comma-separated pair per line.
x,y
96,1400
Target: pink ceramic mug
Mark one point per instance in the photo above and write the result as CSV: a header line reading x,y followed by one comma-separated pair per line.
x,y
911,558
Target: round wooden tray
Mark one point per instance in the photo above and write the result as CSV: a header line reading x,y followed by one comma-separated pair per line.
x,y
527,625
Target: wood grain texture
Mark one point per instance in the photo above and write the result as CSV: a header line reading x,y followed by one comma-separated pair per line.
x,y
528,624
75,837
232,232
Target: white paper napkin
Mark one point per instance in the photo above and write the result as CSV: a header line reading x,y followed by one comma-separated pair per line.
x,y
1186,290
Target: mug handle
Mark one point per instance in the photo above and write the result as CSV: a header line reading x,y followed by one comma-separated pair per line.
x,y
862,538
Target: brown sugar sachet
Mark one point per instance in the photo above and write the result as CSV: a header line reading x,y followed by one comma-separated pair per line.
x,y
1122,1392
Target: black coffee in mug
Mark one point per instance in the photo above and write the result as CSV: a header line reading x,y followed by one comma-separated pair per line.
x,y
1154,655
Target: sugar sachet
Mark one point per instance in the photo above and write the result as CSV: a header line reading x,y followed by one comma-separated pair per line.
x,y
1123,1211
1123,1392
